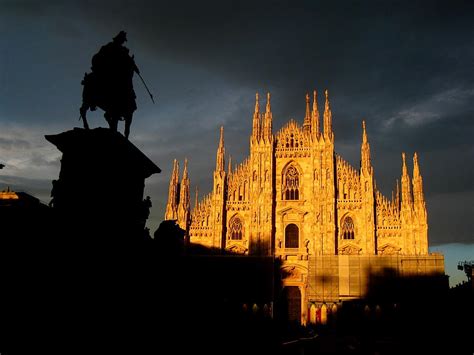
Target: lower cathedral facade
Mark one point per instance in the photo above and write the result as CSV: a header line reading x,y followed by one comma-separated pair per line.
x,y
296,200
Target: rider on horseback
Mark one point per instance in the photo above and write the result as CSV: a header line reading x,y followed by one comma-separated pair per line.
x,y
110,84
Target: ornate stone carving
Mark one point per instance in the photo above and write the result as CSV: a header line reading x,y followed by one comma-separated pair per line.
x,y
388,249
350,249
237,249
291,272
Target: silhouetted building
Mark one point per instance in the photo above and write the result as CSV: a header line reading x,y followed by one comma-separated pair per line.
x,y
25,254
21,216
295,199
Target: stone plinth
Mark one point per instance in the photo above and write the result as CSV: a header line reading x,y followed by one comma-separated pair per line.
x,y
99,193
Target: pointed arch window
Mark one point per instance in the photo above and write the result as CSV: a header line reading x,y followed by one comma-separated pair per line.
x,y
348,228
236,228
291,184
292,238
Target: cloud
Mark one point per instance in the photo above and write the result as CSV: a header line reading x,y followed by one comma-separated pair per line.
x,y
406,70
438,106
7,143
26,153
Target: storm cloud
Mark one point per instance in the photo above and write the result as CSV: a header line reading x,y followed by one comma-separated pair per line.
x,y
404,67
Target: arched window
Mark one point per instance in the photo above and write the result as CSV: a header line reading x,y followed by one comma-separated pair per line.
x,y
292,236
236,228
291,183
348,228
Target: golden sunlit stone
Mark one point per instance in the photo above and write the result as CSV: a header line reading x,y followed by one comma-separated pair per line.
x,y
295,199
8,195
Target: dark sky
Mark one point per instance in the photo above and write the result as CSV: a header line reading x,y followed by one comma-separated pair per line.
x,y
407,68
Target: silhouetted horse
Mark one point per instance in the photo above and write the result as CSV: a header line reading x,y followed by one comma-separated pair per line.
x,y
117,103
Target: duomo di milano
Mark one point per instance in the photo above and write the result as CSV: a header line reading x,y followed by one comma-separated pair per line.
x,y
295,199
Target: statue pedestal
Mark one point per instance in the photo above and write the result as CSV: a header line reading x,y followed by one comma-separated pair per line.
x,y
98,259
99,194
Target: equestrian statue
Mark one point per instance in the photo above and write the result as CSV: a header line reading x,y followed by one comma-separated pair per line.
x,y
110,86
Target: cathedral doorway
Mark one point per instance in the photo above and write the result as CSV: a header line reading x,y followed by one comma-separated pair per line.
x,y
292,304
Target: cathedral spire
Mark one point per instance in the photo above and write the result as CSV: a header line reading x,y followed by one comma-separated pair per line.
x,y
307,117
173,193
315,117
416,167
364,133
397,194
256,120
184,199
417,182
406,191
267,123
185,170
229,166
257,105
184,195
366,166
419,207
220,162
327,118
196,198
404,166
268,109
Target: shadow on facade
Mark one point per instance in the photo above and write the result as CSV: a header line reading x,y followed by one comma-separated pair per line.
x,y
398,314
67,295
155,294
224,300
83,275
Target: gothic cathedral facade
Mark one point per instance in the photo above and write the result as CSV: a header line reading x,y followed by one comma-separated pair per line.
x,y
295,199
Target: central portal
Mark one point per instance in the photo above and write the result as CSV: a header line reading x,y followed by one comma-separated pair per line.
x,y
292,298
